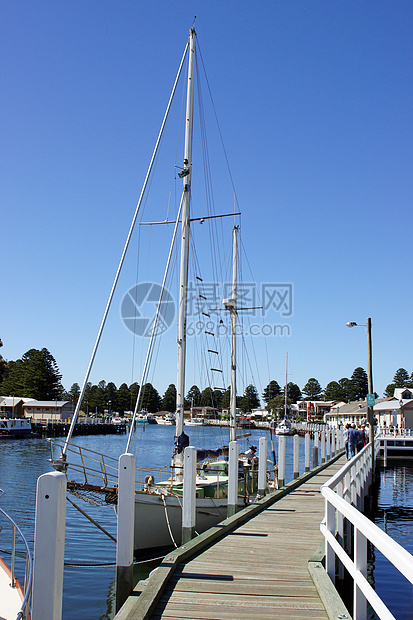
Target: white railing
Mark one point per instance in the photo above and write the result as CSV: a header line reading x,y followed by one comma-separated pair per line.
x,y
23,614
344,494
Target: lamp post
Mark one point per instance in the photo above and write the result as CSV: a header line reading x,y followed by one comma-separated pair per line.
x,y
370,413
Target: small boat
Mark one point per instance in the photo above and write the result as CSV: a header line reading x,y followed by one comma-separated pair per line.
x,y
14,599
145,418
284,428
194,422
15,428
168,420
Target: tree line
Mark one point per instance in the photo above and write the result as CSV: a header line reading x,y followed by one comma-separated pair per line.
x,y
36,375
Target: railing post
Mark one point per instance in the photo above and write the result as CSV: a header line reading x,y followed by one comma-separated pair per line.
x,y
323,446
262,466
328,446
307,452
315,456
360,564
49,546
330,555
125,528
189,495
385,453
281,461
296,456
233,478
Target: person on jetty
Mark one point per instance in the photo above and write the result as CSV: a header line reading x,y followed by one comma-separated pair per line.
x,y
352,441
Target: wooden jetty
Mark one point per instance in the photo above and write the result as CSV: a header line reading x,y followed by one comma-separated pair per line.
x,y
60,429
261,563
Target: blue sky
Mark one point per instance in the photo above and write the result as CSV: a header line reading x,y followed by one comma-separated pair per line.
x,y
314,102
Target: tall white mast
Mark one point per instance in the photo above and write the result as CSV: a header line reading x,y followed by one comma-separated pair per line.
x,y
231,305
286,383
183,284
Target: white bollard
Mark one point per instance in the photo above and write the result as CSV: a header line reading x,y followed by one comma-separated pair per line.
x,y
281,461
49,547
233,478
125,528
189,495
323,446
262,466
328,444
296,456
307,452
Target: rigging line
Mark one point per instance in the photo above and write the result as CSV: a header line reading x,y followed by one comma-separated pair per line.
x,y
137,279
122,259
219,129
154,329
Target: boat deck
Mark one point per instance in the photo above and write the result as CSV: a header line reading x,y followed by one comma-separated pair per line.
x,y
259,570
10,598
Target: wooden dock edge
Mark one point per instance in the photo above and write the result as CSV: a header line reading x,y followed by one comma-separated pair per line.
x,y
329,596
146,594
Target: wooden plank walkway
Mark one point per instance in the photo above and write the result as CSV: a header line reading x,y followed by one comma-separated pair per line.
x,y
258,571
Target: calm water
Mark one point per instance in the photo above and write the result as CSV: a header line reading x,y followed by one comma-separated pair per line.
x,y
89,577
395,517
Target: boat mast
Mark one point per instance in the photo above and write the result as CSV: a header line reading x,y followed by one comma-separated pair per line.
x,y
183,284
233,310
285,395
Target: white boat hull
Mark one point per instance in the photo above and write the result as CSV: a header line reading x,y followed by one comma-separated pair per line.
x,y
158,522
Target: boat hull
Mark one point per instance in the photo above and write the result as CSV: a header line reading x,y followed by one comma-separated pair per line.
x,y
158,520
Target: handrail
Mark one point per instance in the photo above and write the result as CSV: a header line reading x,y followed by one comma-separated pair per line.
x,y
28,579
344,494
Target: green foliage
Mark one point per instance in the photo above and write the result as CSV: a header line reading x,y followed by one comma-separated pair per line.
x,y
194,396
271,391
36,375
358,386
277,405
389,391
335,391
150,399
293,392
312,389
401,379
169,399
250,400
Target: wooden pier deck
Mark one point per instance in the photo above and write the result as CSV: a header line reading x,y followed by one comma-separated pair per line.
x,y
257,571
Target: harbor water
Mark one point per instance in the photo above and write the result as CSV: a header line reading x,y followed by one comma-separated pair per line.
x,y
394,515
89,573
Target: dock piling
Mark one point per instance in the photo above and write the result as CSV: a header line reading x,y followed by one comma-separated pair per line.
x,y
189,495
233,478
125,528
49,546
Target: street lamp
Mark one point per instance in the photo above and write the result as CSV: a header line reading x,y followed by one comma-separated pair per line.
x,y
370,414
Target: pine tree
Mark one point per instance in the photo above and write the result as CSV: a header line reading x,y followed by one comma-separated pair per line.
x,y
271,391
312,389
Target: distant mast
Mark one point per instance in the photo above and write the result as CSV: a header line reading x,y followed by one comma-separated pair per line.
x,y
286,383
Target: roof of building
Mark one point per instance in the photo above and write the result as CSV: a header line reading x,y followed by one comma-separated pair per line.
x,y
356,406
392,404
46,403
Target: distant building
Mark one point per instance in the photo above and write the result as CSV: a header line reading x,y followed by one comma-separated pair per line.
x,y
395,412
58,410
12,406
309,409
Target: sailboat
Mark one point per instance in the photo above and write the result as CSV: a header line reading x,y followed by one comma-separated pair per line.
x,y
158,501
284,427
